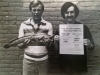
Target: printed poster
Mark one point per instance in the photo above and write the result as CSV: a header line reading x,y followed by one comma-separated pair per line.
x,y
71,39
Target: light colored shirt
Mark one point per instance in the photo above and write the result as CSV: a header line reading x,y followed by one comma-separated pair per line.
x,y
27,28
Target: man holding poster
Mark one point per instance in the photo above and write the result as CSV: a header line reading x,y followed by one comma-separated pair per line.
x,y
74,39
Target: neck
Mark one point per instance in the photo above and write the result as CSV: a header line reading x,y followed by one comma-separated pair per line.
x,y
72,22
36,20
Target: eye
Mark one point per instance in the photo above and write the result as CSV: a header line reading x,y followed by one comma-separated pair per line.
x,y
34,10
39,10
72,12
66,12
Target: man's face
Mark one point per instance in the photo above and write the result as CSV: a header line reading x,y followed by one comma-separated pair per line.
x,y
37,12
70,15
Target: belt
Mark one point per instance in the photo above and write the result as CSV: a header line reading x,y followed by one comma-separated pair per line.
x,y
33,56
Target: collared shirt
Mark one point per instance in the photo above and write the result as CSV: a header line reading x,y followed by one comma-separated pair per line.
x,y
28,28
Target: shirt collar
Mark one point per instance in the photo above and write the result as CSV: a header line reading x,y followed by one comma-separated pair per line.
x,y
29,22
32,22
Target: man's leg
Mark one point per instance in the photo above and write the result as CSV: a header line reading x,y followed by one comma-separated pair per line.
x,y
28,67
43,67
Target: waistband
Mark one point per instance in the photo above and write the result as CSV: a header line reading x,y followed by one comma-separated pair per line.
x,y
33,56
36,44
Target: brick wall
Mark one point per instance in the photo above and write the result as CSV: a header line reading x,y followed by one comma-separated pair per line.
x,y
13,12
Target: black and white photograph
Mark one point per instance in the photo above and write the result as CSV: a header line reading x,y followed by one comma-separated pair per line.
x,y
49,37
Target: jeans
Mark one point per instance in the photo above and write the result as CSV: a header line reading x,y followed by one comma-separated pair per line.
x,y
31,67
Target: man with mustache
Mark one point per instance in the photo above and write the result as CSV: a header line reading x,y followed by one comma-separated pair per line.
x,y
73,64
35,61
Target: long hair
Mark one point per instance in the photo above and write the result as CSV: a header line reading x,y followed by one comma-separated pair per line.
x,y
66,6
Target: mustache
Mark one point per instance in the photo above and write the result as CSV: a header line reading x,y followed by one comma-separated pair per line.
x,y
37,15
69,16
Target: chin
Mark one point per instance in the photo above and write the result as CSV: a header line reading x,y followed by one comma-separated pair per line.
x,y
70,20
36,18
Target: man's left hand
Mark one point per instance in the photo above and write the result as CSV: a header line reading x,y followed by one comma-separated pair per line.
x,y
87,42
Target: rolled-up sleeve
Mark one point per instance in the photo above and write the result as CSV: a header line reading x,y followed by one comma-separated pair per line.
x,y
21,31
50,32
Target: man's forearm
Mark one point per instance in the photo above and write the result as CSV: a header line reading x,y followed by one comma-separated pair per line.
x,y
22,46
56,44
91,47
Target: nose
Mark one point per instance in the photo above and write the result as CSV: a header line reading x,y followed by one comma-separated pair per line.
x,y
69,14
36,11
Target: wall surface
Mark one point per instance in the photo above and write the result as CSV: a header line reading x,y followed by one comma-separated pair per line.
x,y
14,12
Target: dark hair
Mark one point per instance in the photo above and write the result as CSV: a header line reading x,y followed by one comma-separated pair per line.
x,y
34,4
66,6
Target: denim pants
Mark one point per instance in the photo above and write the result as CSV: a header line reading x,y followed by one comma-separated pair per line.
x,y
31,67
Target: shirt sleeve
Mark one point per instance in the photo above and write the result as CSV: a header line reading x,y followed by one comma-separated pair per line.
x,y
50,32
57,31
89,36
21,31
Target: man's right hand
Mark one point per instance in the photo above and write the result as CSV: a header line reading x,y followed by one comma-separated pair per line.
x,y
24,44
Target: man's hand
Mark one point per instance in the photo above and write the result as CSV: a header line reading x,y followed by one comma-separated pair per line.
x,y
56,38
88,44
25,44
47,38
